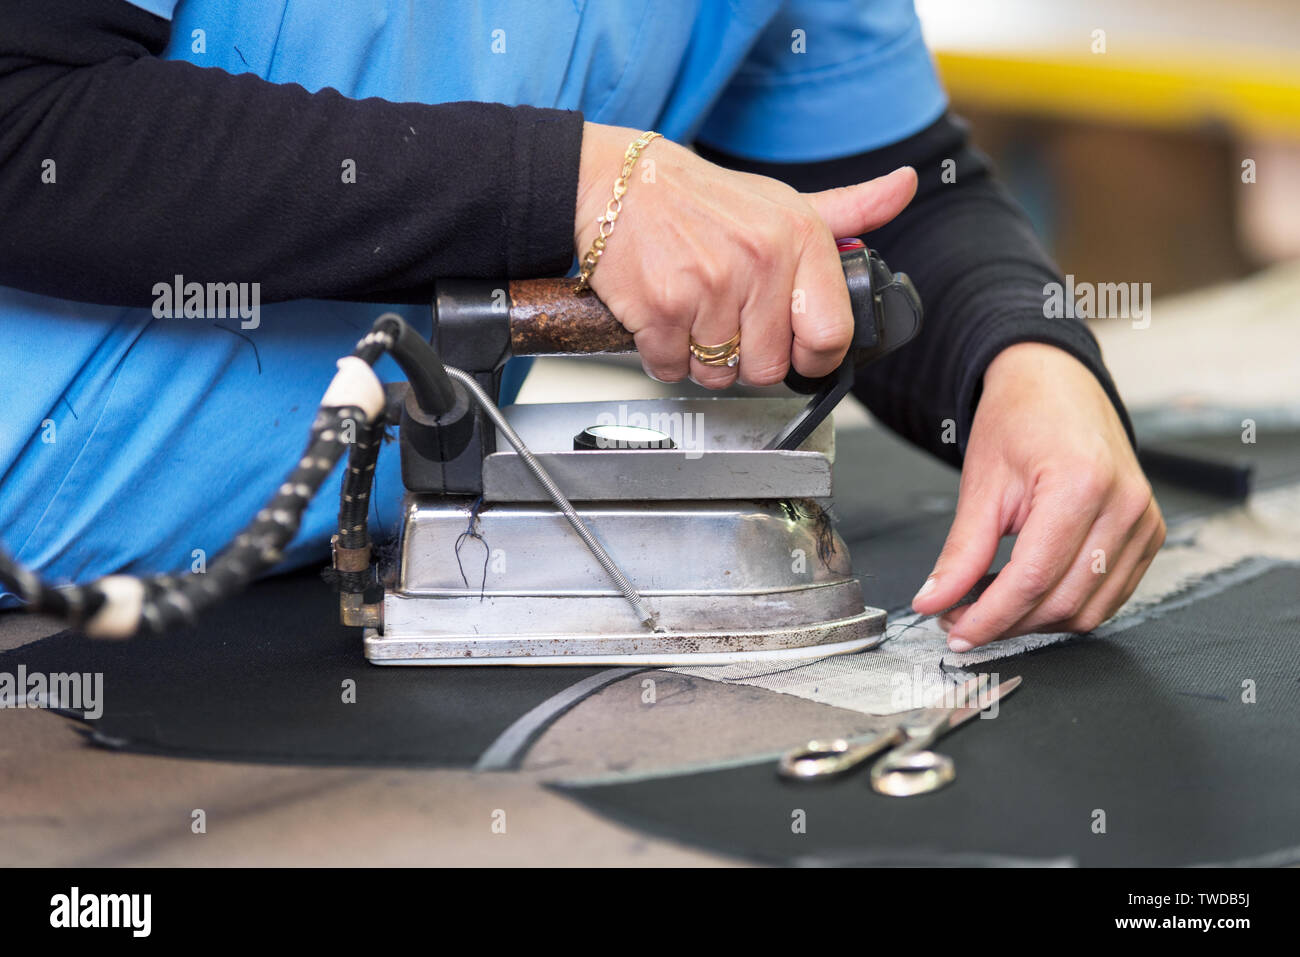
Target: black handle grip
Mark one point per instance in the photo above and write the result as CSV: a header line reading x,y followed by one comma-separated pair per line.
x,y
886,313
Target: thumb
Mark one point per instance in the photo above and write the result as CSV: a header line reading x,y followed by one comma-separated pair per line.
x,y
966,556
854,210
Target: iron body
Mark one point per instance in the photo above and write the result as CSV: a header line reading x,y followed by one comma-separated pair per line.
x,y
724,539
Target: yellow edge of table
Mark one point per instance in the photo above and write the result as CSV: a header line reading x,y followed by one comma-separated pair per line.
x,y
1182,91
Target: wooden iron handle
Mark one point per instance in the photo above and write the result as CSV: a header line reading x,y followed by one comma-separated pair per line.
x,y
547,318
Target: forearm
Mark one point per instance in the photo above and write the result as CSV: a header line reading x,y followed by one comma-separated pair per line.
x,y
980,272
119,170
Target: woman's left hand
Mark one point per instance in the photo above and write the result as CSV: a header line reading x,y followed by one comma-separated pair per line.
x,y
1048,461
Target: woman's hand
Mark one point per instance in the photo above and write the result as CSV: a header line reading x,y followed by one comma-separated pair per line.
x,y
700,252
1049,461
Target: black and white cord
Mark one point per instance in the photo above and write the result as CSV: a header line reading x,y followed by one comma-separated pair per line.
x,y
118,606
351,417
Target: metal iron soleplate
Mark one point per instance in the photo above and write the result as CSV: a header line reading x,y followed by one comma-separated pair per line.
x,y
845,636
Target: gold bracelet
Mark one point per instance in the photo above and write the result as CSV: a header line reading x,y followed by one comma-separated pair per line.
x,y
605,224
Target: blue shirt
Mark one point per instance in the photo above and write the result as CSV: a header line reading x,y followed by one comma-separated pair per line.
x,y
139,444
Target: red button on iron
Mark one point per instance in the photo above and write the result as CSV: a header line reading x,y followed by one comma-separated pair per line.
x,y
847,245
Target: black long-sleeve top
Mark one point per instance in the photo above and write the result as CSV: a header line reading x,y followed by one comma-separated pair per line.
x,y
169,168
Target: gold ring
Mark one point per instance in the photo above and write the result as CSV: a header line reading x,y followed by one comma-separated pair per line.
x,y
725,354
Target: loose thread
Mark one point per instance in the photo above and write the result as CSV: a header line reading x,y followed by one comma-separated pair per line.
x,y
471,531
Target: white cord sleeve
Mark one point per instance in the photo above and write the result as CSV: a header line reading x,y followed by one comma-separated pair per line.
x,y
119,617
355,384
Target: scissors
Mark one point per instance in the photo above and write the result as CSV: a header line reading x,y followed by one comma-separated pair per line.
x,y
908,766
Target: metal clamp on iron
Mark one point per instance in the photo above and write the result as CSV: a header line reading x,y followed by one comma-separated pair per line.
x,y
650,532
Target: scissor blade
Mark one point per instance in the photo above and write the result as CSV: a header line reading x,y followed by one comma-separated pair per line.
x,y
960,716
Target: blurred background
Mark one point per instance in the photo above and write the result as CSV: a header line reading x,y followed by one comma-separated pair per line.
x,y
1122,125
1152,141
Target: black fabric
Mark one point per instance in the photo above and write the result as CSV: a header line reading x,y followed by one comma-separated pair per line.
x,y
1149,727
166,168
980,271
893,506
262,680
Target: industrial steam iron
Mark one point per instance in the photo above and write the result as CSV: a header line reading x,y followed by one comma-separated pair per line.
x,y
649,532
653,532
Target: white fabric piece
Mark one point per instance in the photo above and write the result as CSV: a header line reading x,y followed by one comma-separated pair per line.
x,y
908,671
914,662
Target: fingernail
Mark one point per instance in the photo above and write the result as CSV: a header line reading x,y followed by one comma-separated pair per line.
x,y
925,589
946,624
959,645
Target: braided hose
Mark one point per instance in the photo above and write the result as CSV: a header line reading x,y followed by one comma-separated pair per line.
x,y
118,606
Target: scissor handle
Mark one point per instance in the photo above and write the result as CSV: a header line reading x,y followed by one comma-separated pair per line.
x,y
904,772
818,759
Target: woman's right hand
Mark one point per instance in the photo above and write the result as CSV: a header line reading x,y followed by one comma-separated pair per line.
x,y
699,251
